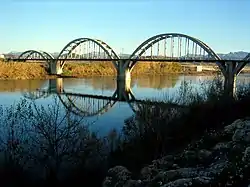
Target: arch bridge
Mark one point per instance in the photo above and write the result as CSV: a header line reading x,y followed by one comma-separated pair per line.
x,y
167,47
37,55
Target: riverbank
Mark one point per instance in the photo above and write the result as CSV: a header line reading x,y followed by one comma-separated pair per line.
x,y
19,70
219,158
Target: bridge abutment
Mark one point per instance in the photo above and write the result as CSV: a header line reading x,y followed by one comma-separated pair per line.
x,y
55,68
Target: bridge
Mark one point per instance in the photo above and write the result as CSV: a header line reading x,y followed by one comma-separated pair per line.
x,y
168,47
87,105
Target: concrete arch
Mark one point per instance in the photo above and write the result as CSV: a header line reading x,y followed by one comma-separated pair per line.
x,y
74,43
151,41
45,55
247,57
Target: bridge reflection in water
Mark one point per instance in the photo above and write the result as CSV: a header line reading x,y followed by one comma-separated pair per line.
x,y
87,105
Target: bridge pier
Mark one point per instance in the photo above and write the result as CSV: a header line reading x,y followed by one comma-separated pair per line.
x,y
230,79
55,68
56,85
123,81
123,72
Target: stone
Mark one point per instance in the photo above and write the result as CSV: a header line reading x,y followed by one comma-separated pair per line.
x,y
242,135
117,177
195,166
246,156
222,145
189,182
204,154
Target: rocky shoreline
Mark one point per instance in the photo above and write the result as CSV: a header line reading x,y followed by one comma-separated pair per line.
x,y
219,158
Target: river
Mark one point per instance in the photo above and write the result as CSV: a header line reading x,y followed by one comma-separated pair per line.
x,y
114,113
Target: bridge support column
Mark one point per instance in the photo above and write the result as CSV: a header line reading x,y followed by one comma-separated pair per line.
x,y
123,81
55,68
230,75
56,85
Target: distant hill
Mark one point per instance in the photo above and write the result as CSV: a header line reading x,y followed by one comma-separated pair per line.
x,y
234,55
239,55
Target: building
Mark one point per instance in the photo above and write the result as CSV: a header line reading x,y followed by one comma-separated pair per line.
x,y
2,56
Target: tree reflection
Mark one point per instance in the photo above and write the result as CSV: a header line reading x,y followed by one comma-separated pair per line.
x,y
45,140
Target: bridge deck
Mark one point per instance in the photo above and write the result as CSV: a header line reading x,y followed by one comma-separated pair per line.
x,y
140,60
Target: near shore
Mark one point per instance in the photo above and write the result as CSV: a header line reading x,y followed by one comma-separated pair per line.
x,y
20,70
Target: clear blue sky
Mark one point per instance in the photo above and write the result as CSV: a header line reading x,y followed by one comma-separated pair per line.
x,y
50,24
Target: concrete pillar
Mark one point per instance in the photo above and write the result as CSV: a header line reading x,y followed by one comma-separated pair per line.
x,y
122,71
123,81
55,68
230,79
56,85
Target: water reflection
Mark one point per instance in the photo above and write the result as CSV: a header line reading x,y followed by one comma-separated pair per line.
x,y
110,113
96,83
20,85
51,146
90,105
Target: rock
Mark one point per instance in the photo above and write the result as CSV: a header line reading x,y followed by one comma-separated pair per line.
x,y
222,146
148,172
189,182
132,183
195,166
190,155
237,124
118,176
204,154
246,156
242,135
165,162
216,168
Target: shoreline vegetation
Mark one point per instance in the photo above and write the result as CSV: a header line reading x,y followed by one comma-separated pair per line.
x,y
207,143
29,70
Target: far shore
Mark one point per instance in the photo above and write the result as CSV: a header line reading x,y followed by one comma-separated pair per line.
x,y
20,70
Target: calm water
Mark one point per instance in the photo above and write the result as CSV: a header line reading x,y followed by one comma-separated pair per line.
x,y
150,87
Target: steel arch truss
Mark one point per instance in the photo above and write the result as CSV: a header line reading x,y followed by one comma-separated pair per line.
x,y
34,95
33,54
85,106
247,57
241,65
172,46
87,48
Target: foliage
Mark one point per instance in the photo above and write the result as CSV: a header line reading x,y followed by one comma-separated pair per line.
x,y
43,141
155,131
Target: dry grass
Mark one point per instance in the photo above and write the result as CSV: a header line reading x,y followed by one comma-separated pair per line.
x,y
107,68
18,70
89,69
156,68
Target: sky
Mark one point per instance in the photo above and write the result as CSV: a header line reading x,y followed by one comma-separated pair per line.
x,y
49,25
